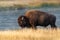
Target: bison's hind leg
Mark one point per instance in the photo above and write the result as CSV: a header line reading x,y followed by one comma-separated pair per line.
x,y
53,26
52,23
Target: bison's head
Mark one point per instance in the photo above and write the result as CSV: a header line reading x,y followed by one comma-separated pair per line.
x,y
23,21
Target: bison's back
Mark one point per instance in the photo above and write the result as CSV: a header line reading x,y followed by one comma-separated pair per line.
x,y
35,13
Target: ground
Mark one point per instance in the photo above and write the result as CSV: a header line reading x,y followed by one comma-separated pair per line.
x,y
30,34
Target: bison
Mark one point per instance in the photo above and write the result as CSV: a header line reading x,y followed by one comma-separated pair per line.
x,y
33,18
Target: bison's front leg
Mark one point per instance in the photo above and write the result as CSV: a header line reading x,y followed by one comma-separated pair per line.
x,y
34,27
33,24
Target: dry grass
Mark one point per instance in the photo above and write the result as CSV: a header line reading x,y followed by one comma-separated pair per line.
x,y
27,2
30,34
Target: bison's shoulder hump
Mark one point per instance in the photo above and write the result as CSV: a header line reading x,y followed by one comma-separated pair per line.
x,y
31,12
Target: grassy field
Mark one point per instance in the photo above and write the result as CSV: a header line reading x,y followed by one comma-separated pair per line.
x,y
30,34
